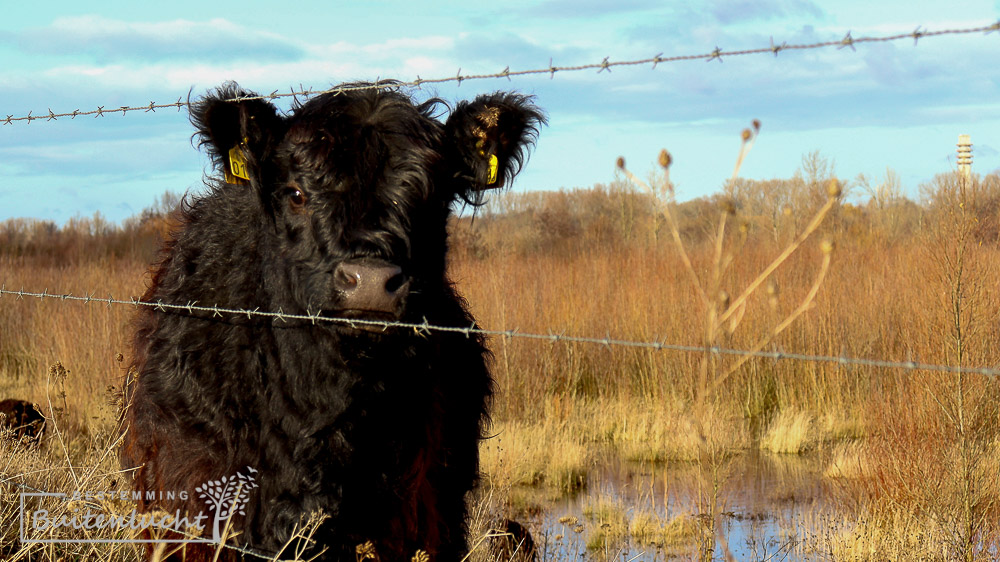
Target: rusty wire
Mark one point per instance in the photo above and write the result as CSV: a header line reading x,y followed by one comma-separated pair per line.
x,y
424,328
605,65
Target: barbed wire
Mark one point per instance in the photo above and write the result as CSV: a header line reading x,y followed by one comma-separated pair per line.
x,y
605,65
426,328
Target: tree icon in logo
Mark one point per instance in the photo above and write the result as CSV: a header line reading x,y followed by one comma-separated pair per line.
x,y
228,496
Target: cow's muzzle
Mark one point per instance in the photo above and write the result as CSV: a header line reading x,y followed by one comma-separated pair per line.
x,y
370,289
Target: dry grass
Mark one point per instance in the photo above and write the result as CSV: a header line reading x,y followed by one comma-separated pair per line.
x,y
65,359
67,460
901,442
892,536
608,523
849,460
789,432
545,454
678,534
642,430
794,431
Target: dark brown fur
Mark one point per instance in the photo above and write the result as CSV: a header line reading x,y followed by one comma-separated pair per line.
x,y
23,420
379,430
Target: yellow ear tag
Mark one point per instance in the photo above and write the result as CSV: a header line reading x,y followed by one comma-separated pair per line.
x,y
237,172
493,169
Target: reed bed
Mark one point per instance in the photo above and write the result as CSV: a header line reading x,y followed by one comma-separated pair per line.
x,y
916,454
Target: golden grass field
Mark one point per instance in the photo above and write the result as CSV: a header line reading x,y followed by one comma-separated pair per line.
x,y
914,456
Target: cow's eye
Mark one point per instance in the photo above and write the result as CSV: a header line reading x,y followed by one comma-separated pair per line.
x,y
296,199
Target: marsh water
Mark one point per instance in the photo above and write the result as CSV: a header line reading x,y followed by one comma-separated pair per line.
x,y
770,508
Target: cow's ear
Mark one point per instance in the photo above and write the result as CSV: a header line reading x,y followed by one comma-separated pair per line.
x,y
489,139
239,135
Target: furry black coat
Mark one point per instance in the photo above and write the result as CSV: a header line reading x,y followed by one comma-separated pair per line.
x,y
337,208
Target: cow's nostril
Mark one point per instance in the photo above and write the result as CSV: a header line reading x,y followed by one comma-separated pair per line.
x,y
395,283
346,279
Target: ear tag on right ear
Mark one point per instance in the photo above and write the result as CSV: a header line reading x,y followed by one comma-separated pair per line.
x,y
237,171
494,164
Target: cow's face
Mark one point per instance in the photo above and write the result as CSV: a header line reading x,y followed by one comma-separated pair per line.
x,y
358,186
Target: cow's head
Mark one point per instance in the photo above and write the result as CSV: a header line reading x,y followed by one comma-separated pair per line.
x,y
358,185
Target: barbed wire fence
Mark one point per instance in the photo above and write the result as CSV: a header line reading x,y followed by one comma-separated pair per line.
x,y
606,65
426,328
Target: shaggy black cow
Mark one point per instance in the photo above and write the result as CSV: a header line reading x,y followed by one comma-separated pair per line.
x,y
24,422
342,212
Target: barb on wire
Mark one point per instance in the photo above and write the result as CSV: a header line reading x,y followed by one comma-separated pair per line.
x,y
847,41
551,69
425,327
776,48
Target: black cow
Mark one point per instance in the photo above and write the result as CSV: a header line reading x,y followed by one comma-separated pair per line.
x,y
21,420
337,208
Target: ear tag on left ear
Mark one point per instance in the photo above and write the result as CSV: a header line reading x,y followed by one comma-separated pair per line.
x,y
237,172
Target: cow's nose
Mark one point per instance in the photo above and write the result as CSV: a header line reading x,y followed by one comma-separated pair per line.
x,y
370,285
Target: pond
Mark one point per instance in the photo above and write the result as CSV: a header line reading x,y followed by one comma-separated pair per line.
x,y
772,507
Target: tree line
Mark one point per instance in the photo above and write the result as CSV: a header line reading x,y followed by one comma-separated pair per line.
x,y
604,217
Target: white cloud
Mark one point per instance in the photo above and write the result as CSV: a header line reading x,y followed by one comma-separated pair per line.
x,y
101,54
114,40
744,11
389,48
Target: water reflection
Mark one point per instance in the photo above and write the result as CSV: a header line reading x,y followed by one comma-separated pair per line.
x,y
769,505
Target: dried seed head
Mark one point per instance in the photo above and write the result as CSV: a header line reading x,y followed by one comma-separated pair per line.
x,y
57,371
620,163
834,189
827,246
746,135
756,125
366,551
119,357
665,158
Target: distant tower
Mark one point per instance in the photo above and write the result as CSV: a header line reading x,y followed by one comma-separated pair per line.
x,y
965,156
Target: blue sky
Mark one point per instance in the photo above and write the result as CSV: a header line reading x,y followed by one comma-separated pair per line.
x,y
887,104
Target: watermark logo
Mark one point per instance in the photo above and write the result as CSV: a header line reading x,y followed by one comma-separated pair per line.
x,y
225,498
228,496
